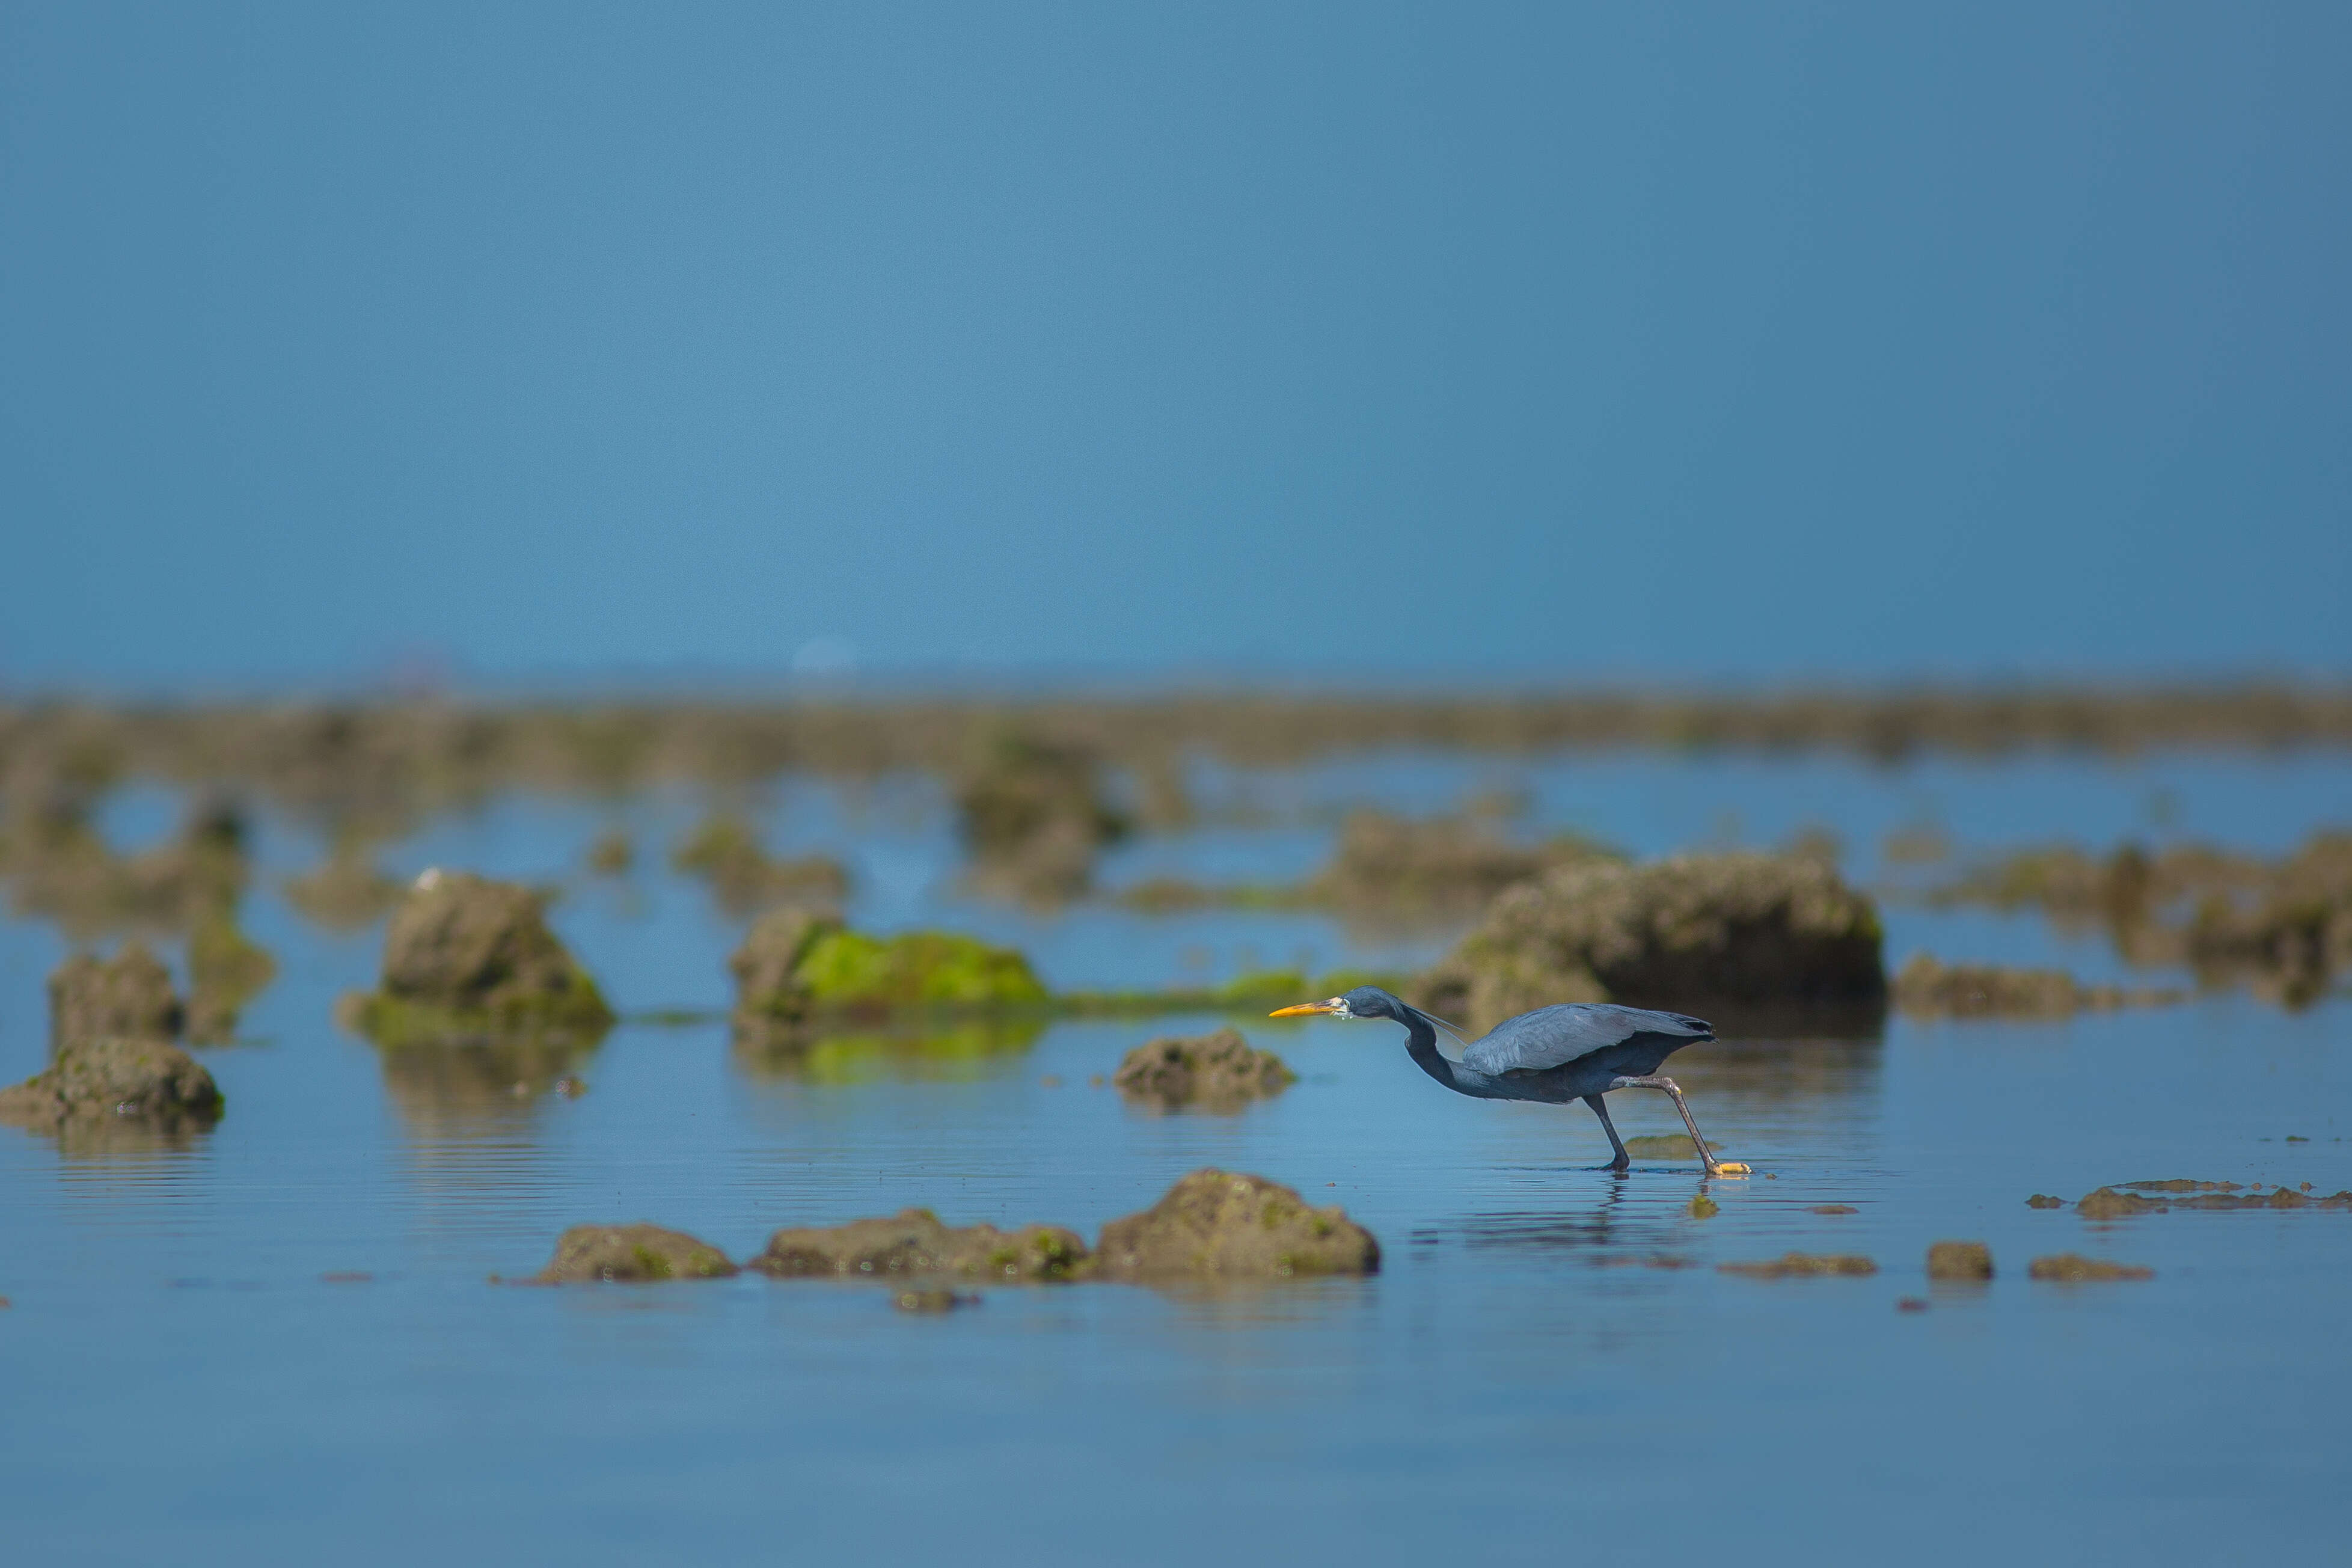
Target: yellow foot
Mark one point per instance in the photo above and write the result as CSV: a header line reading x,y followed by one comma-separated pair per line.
x,y
1728,1168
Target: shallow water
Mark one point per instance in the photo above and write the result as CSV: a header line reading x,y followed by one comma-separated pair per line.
x,y
1519,1382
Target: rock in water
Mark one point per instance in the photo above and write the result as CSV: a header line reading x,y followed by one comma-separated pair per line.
x,y
1225,1225
126,997
2074,1268
1221,1071
1801,1264
152,1081
633,1253
1033,815
1966,1260
915,1244
796,964
466,955
1682,932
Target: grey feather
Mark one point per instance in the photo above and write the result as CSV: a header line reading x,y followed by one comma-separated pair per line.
x,y
1556,1036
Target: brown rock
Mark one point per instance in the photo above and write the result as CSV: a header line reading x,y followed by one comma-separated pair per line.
x,y
1800,1265
914,1244
1968,1261
1220,1225
2073,1268
466,954
635,1253
2109,1204
769,993
149,1081
1221,1071
1739,928
126,997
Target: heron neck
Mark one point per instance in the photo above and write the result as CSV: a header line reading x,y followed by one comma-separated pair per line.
x,y
1420,1044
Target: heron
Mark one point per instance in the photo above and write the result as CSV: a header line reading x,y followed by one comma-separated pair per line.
x,y
1572,1050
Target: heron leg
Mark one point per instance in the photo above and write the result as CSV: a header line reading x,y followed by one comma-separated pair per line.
x,y
1674,1092
1600,1108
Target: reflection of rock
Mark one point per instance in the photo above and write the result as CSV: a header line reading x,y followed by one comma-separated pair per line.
x,y
477,1082
636,1253
147,1080
1927,988
964,1051
1033,815
1686,932
467,957
1220,1071
129,994
226,969
727,853
914,1243
1220,1225
795,965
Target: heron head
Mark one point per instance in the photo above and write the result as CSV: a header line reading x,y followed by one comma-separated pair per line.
x,y
1363,1002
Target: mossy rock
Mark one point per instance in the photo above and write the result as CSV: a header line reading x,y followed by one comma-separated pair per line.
x,y
468,957
794,966
150,1081
632,1253
1220,1225
915,1244
1959,1260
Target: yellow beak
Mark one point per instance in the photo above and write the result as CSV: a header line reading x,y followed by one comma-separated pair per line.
x,y
1304,1007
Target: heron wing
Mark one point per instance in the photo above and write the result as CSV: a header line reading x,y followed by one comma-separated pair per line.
x,y
1556,1036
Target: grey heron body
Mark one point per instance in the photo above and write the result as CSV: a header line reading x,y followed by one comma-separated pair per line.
x,y
1574,1050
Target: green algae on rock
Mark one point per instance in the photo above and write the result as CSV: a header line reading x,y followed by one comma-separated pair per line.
x,y
153,1082
466,957
1801,1264
1959,1260
915,1243
796,965
633,1253
129,996
2074,1268
1219,1072
1693,929
1220,1225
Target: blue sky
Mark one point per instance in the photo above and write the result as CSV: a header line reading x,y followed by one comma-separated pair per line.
x,y
558,344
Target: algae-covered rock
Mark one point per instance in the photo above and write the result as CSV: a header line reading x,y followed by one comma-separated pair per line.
x,y
128,995
914,1243
466,955
150,1081
1220,1225
1737,928
796,964
1962,1260
1801,1264
633,1253
2074,1268
1221,1071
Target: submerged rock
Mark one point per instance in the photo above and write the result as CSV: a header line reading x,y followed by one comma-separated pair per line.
x,y
633,1253
129,996
914,1243
1800,1265
2045,1201
1666,1146
796,964
2073,1268
150,1081
1740,928
1221,1071
1927,988
2183,1193
1959,1260
935,1301
1225,1225
466,955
